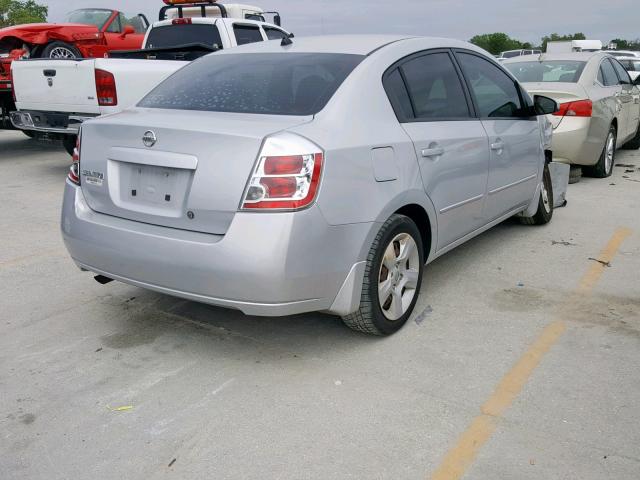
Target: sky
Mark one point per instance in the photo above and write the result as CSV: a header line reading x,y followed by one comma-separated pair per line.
x,y
526,20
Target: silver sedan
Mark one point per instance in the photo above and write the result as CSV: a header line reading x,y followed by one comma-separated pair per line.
x,y
599,105
321,175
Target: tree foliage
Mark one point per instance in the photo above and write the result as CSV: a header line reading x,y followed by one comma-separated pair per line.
x,y
498,42
622,44
554,37
18,12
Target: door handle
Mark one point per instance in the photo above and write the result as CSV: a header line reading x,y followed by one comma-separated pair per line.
x,y
432,152
497,145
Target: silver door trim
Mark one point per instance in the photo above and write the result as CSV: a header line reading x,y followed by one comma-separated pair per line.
x,y
518,182
460,204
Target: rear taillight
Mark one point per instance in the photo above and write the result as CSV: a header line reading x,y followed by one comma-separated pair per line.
x,y
580,108
286,176
106,88
74,170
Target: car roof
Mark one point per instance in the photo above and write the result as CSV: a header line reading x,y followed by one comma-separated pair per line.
x,y
348,44
635,59
580,56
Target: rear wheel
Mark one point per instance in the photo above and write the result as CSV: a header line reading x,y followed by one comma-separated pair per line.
x,y
61,50
392,279
604,167
544,214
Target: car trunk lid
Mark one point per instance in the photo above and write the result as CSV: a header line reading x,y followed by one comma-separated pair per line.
x,y
189,172
561,92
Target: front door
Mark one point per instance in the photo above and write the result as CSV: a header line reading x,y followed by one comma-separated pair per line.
x,y
514,140
118,39
450,144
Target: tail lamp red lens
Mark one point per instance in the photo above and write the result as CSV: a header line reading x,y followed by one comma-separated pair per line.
x,y
106,88
74,170
579,108
284,182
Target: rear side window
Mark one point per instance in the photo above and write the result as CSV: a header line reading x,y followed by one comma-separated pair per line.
x,y
607,75
274,33
622,73
184,34
495,92
265,83
247,34
398,95
434,87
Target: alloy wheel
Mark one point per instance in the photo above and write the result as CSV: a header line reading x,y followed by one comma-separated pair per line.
x,y
62,52
398,276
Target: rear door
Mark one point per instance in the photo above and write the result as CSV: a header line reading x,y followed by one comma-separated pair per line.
x,y
629,99
514,141
451,145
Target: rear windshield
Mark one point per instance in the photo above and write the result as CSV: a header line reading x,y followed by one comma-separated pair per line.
x,y
184,34
564,71
265,83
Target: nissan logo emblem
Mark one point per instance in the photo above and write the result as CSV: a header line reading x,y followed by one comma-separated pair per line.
x,y
149,139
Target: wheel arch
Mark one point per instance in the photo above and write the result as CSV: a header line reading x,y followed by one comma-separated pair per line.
x,y
422,220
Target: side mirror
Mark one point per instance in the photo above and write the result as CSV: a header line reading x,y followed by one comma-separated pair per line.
x,y
277,20
128,30
544,105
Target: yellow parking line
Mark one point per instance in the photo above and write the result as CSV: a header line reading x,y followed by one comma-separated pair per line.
x,y
459,458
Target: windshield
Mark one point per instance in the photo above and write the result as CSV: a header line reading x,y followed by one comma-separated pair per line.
x,y
264,83
184,34
565,71
631,65
90,16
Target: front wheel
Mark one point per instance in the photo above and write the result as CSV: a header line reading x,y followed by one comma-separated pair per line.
x,y
392,279
544,214
61,50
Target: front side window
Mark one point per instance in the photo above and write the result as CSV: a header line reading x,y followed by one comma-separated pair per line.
x,y
494,91
274,33
564,71
247,34
607,76
624,77
434,87
255,83
115,26
136,22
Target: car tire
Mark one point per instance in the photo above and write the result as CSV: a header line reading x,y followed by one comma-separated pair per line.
x,y
69,143
575,174
544,214
604,167
60,50
634,143
395,265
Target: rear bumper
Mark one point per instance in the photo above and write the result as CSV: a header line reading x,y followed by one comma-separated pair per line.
x,y
266,264
573,143
40,122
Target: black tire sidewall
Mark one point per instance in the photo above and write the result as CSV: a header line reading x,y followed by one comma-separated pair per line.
x,y
606,173
546,179
401,224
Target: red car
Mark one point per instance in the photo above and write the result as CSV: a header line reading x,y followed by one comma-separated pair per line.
x,y
86,33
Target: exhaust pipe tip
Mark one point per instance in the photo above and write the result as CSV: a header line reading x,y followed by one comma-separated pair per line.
x,y
102,280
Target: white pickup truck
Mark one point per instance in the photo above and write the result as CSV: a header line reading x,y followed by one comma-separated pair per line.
x,y
54,97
